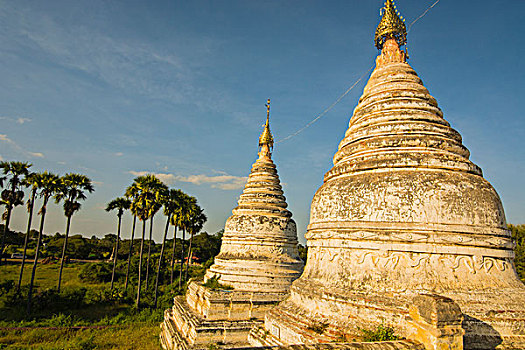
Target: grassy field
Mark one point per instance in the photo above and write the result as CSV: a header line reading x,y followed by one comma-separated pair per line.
x,y
54,324
46,275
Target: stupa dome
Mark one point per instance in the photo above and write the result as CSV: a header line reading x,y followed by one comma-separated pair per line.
x,y
259,246
403,212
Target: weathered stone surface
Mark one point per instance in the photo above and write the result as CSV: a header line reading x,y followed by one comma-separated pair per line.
x,y
403,212
183,329
435,321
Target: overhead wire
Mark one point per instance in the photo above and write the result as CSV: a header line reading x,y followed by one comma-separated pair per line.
x,y
325,111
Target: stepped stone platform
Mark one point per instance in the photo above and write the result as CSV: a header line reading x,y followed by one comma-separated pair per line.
x,y
183,328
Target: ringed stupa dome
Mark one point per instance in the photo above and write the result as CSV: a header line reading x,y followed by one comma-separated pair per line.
x,y
259,246
403,212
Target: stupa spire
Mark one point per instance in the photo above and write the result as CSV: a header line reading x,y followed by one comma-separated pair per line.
x,y
392,26
266,138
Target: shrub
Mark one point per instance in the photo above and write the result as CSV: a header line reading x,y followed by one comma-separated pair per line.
x,y
318,327
381,333
213,284
96,273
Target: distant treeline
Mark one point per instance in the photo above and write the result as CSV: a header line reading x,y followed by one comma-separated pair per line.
x,y
518,235
204,246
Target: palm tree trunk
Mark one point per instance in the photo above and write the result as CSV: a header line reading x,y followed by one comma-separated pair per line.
x,y
140,261
173,252
160,259
63,253
35,262
149,251
189,257
182,257
116,252
130,251
26,240
6,230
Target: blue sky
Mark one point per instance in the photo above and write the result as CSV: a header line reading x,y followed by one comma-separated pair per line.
x,y
113,89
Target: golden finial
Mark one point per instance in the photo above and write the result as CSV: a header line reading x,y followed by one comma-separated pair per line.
x,y
392,25
266,137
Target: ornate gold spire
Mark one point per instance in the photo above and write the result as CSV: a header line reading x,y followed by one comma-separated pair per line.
x,y
266,137
391,26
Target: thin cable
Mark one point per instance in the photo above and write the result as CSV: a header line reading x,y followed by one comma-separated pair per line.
x,y
320,115
422,15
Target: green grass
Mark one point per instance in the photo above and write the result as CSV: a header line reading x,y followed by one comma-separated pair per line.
x,y
46,275
132,336
128,328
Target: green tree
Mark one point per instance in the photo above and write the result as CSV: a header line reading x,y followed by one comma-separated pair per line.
x,y
130,251
160,190
518,235
30,180
48,184
183,221
171,204
206,246
197,218
144,195
12,195
120,204
73,188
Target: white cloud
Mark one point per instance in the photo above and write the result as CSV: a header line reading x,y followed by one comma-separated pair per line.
x,y
18,149
223,182
36,154
118,154
23,120
18,120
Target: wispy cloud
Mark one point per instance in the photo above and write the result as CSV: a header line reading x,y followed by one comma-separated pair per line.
x,y
18,120
36,154
18,149
223,182
118,154
171,73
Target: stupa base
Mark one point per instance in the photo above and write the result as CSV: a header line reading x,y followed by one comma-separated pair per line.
x,y
223,318
312,315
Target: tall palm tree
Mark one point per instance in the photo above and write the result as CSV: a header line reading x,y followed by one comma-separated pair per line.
x,y
48,184
186,207
174,223
31,180
144,196
12,195
160,191
120,204
73,189
196,222
130,248
171,204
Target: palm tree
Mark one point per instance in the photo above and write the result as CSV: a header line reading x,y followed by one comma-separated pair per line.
x,y
13,195
120,204
48,184
174,222
72,189
160,192
171,204
31,180
144,196
197,219
187,206
130,248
